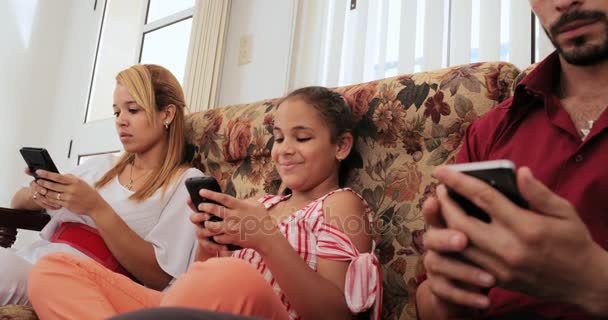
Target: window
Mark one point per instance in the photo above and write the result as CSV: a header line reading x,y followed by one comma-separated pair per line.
x,y
384,38
145,31
167,35
84,158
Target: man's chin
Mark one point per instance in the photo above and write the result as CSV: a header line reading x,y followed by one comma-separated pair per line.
x,y
585,56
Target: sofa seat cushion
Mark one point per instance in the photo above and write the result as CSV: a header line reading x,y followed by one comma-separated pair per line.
x,y
17,312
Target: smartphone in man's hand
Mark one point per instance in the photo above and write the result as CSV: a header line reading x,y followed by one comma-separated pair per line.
x,y
194,185
500,174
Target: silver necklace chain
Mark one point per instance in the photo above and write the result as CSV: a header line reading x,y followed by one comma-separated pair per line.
x,y
129,185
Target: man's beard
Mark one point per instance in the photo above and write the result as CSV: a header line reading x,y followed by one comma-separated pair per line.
x,y
582,54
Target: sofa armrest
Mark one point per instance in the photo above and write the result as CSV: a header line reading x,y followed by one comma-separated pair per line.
x,y
23,219
13,219
8,236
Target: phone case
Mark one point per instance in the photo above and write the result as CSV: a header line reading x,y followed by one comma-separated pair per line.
x,y
500,174
194,185
38,158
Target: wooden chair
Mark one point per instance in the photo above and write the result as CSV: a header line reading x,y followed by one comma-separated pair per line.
x,y
10,221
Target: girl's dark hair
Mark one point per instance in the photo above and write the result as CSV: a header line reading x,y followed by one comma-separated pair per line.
x,y
337,114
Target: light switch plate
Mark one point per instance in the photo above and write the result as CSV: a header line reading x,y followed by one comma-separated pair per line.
x,y
245,45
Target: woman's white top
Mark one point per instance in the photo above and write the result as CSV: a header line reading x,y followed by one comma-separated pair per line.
x,y
163,221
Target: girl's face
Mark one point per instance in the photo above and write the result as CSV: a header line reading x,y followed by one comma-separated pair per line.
x,y
134,131
302,151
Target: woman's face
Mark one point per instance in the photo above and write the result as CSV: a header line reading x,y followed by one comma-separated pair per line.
x,y
135,133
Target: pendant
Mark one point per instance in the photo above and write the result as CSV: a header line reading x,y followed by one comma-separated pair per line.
x,y
585,132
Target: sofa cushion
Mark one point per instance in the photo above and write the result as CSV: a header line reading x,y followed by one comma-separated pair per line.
x,y
17,312
233,145
407,125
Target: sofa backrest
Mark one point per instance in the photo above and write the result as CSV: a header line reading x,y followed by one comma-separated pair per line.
x,y
407,125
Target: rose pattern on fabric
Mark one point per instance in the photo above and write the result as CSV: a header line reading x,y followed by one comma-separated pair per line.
x,y
238,137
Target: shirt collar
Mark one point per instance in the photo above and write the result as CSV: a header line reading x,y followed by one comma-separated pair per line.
x,y
539,84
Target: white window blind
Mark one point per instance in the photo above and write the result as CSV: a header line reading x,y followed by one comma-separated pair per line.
x,y
383,38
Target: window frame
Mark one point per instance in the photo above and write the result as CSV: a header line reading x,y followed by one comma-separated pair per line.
x,y
147,28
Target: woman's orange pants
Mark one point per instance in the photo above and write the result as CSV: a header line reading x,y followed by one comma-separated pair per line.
x,y
63,286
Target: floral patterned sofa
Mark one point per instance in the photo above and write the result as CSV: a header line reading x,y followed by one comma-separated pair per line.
x,y
407,125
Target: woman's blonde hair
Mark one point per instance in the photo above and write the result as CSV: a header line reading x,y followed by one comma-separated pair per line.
x,y
154,88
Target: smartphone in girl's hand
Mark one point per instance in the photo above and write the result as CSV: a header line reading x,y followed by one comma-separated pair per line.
x,y
194,185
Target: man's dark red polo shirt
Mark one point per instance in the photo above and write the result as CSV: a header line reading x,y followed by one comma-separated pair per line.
x,y
532,129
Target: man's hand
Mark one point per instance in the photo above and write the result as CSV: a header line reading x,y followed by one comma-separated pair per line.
x,y
536,251
453,287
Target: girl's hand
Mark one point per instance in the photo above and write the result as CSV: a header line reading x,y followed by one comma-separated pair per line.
x,y
206,246
70,192
246,223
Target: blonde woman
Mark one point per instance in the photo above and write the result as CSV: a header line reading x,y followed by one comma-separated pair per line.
x,y
128,213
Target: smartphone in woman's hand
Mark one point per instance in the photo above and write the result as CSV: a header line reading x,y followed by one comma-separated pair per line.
x,y
38,158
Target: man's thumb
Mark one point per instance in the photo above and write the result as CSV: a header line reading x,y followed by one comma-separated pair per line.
x,y
539,197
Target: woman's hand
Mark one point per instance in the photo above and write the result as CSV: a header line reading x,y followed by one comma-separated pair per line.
x,y
246,223
70,192
38,193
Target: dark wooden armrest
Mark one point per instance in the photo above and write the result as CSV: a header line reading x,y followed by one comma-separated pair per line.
x,y
13,219
23,219
8,236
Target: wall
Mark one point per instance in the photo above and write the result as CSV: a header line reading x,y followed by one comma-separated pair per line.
x,y
271,23
46,59
47,55
32,34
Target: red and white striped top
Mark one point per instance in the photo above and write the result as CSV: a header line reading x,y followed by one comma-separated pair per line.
x,y
312,238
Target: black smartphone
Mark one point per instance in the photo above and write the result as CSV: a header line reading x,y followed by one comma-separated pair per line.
x,y
500,174
38,158
194,185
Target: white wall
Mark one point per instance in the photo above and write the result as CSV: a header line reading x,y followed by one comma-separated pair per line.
x,y
32,34
48,48
270,22
47,56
